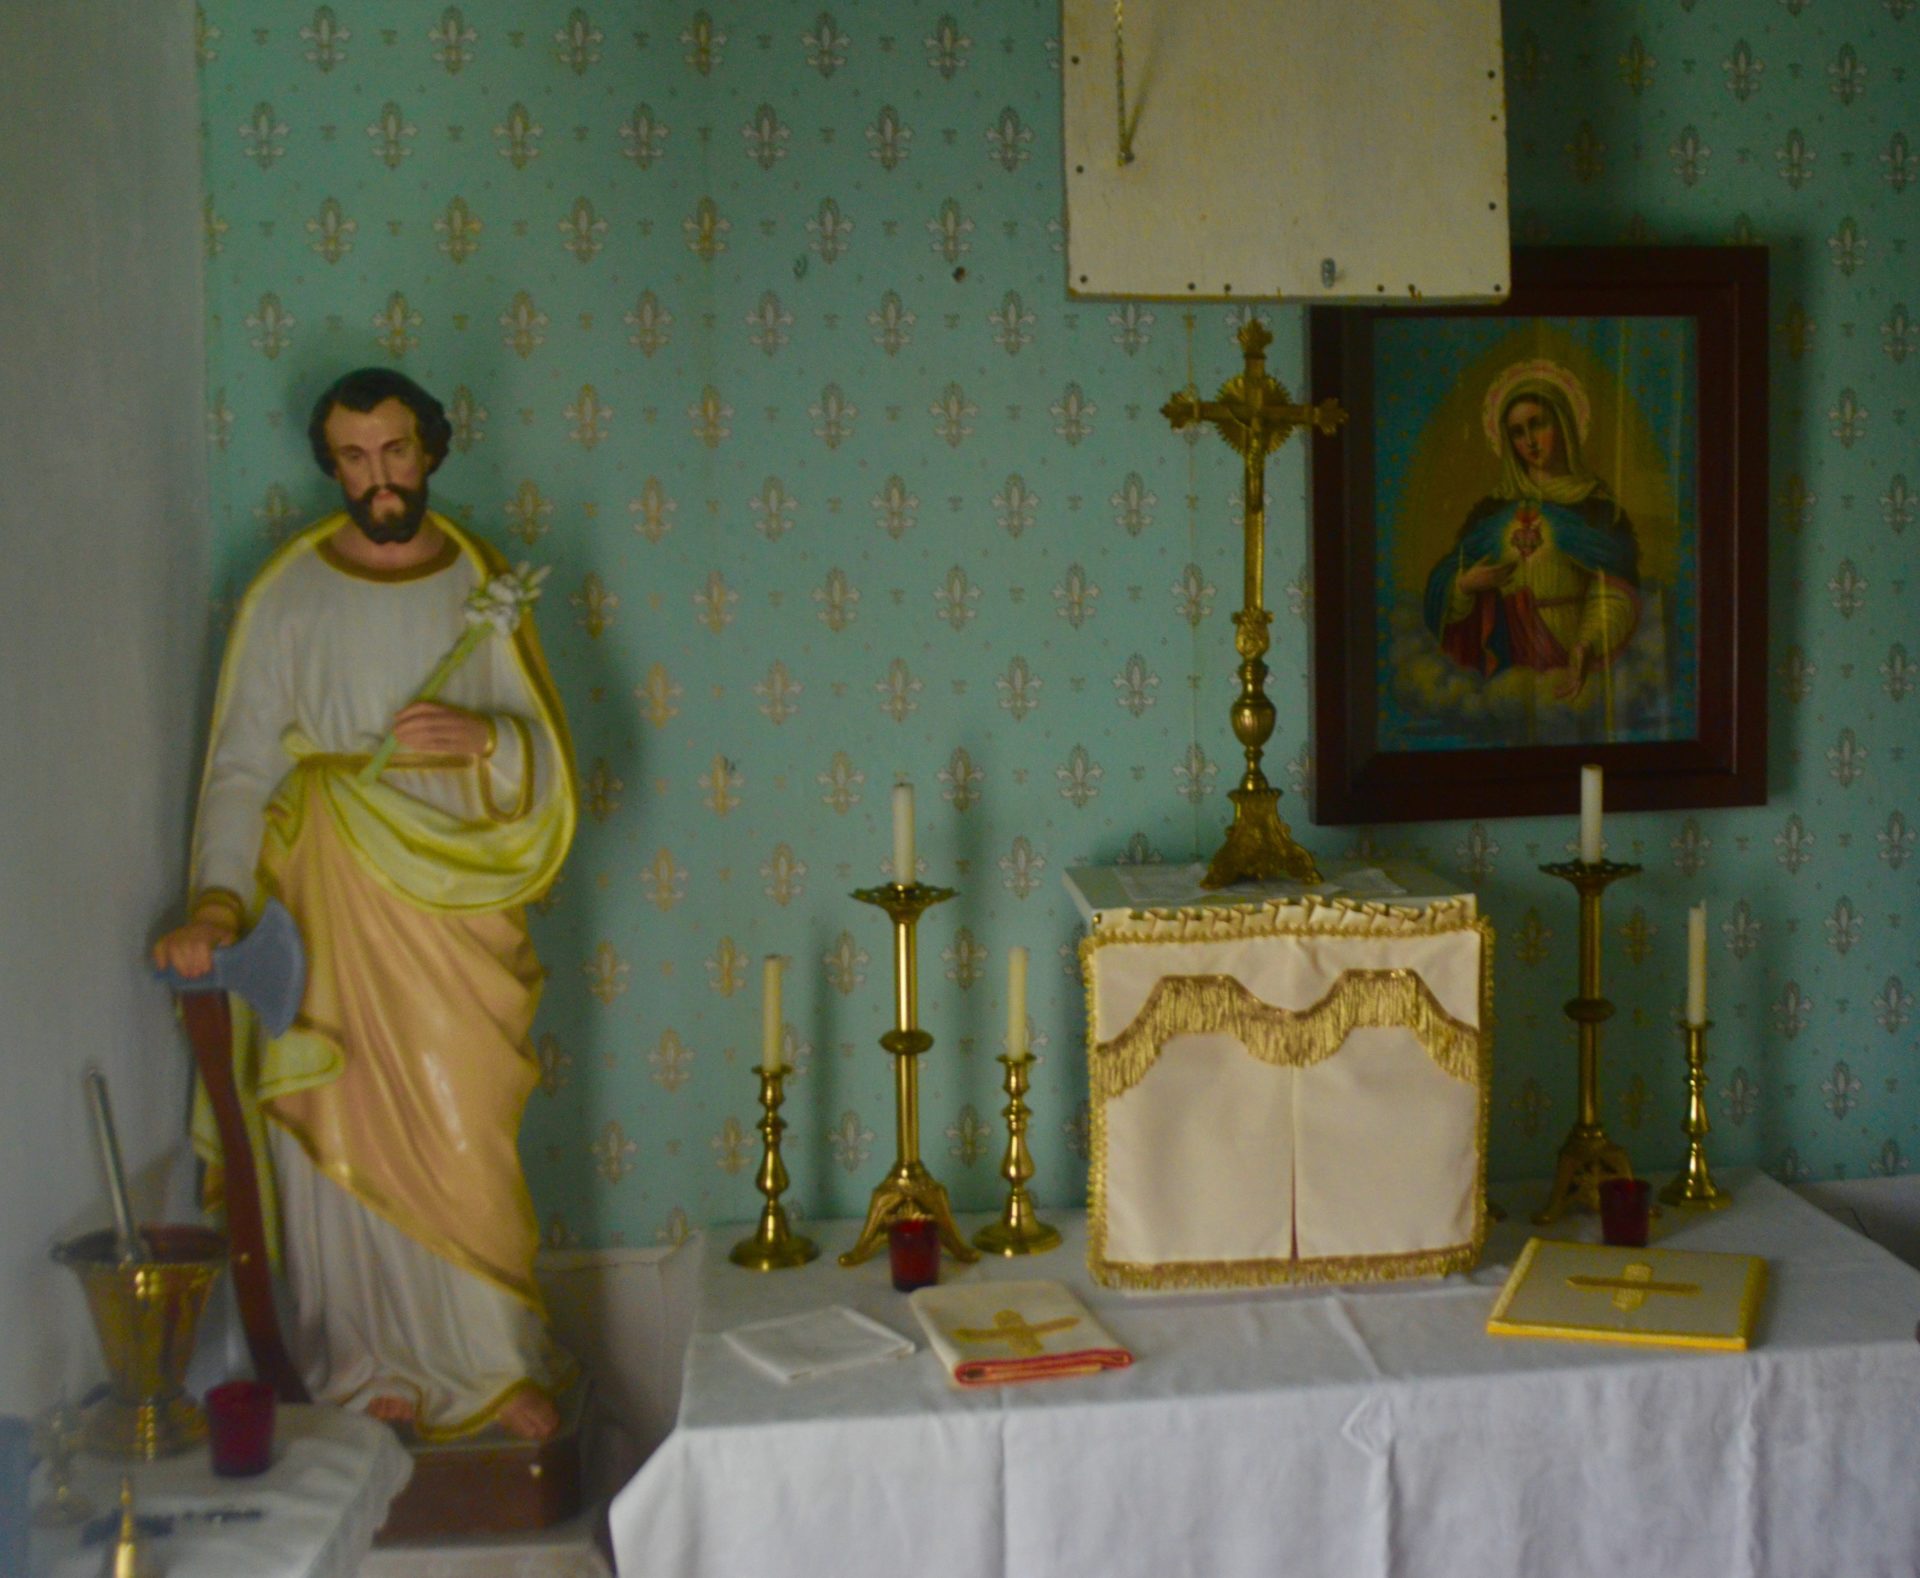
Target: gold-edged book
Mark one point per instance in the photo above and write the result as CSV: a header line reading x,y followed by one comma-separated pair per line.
x,y
1677,1298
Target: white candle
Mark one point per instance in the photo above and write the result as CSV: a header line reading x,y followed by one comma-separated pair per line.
x,y
1697,965
903,832
1016,1002
770,1038
1590,815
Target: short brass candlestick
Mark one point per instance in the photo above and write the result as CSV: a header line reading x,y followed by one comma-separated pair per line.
x,y
1255,415
1019,1230
908,1190
1588,1155
773,1245
1693,1185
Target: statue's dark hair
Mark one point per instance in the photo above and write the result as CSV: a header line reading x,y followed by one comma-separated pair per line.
x,y
368,387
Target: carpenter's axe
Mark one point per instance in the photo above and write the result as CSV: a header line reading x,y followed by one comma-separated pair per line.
x,y
268,969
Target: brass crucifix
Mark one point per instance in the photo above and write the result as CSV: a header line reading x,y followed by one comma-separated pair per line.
x,y
1255,416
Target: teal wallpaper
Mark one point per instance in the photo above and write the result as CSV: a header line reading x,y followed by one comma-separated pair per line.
x,y
752,323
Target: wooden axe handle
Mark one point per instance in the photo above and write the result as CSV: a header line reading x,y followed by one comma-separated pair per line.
x,y
209,1023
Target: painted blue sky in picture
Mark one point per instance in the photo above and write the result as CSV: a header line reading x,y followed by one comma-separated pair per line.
x,y
1629,386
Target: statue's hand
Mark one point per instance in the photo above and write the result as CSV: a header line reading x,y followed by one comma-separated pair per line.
x,y
435,727
188,950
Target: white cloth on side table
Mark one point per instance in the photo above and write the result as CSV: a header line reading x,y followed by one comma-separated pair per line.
x,y
333,1477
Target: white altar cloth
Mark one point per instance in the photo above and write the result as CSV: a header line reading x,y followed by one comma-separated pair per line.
x,y
1371,1432
321,1502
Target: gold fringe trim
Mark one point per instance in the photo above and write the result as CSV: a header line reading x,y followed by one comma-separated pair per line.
x,y
1208,1275
1302,917
1284,1037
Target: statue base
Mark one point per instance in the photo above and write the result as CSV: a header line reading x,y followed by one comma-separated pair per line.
x,y
490,1483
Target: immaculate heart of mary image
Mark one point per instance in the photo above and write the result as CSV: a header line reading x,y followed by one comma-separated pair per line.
x,y
1537,541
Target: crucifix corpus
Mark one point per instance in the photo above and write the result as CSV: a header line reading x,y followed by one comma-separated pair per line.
x,y
1255,415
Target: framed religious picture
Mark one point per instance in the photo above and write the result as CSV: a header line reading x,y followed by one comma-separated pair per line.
x,y
1540,540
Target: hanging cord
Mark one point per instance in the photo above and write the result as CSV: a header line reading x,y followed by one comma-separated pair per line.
x,y
1120,80
1196,664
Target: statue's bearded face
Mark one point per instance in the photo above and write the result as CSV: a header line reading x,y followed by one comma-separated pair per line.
x,y
381,467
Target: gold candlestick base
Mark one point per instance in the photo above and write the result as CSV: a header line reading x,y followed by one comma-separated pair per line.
x,y
908,1190
1259,847
773,1245
1693,1185
1019,1230
1587,1156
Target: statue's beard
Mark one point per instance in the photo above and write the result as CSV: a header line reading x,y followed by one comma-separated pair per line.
x,y
399,528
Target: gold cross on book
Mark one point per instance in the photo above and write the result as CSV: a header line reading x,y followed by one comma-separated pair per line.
x,y
1633,1286
1009,1327
1255,415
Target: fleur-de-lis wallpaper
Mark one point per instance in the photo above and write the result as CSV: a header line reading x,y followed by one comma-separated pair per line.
x,y
751,321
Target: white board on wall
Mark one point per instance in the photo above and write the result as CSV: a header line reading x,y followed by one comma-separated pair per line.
x,y
1318,150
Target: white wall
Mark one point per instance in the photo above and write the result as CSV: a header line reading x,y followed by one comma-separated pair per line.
x,y
103,638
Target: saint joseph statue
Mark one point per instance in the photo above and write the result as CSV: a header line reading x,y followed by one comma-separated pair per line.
x,y
388,1115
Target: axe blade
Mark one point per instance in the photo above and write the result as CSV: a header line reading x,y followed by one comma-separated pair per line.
x,y
267,967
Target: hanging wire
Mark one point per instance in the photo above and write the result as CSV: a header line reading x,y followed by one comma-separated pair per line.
x,y
1120,79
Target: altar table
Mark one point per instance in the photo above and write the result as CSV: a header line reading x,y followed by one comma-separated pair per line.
x,y
312,1514
1366,1432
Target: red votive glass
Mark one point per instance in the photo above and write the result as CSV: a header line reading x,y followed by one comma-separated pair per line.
x,y
913,1251
1625,1204
240,1427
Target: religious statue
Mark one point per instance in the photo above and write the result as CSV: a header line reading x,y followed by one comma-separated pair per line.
x,y
405,836
1545,572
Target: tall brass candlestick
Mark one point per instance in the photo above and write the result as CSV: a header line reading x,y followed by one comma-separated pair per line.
x,y
1693,1185
1588,1155
1019,1230
908,1190
773,1245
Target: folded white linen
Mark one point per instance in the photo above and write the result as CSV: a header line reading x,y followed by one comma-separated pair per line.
x,y
816,1342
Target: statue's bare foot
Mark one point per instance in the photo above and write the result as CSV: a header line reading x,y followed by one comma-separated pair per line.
x,y
394,1410
529,1413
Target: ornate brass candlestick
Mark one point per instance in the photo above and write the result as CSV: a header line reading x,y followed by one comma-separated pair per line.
x,y
1019,1230
773,1245
1588,1155
1693,1185
908,1189
1255,415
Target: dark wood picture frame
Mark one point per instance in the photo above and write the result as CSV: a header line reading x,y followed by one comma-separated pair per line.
x,y
1723,292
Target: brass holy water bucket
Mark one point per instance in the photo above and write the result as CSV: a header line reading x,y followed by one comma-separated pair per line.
x,y
146,1314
